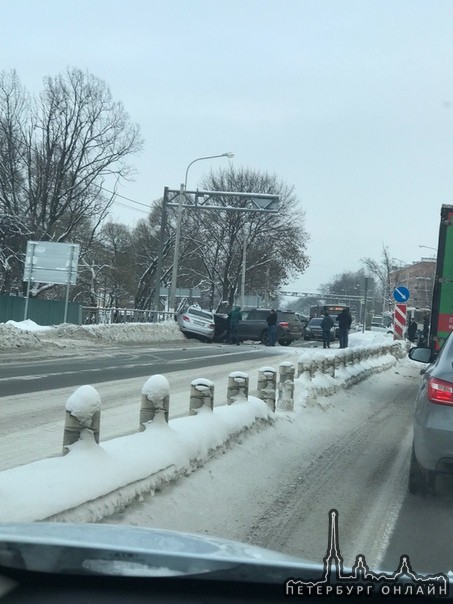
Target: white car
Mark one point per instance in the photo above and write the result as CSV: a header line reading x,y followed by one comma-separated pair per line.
x,y
381,327
195,321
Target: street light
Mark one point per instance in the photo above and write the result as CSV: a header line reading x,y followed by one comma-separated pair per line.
x,y
174,274
229,155
428,247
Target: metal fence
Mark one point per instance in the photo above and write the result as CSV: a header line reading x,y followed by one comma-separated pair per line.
x,y
42,312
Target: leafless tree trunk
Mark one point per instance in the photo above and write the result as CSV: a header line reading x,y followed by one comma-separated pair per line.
x,y
56,152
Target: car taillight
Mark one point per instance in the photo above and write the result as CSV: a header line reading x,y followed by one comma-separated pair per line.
x,y
185,318
284,324
440,391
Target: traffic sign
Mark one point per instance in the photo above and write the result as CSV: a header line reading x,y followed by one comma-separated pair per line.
x,y
401,293
399,322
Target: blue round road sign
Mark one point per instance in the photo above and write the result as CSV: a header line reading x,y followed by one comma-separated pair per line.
x,y
401,293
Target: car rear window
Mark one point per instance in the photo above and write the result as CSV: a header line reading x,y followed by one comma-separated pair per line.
x,y
287,316
200,313
315,322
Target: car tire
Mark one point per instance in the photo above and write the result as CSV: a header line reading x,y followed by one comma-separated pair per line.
x,y
263,337
284,342
421,481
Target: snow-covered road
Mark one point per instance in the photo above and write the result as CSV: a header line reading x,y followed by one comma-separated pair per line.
x,y
271,486
32,425
350,452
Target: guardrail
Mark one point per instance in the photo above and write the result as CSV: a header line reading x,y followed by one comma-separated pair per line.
x,y
161,451
83,407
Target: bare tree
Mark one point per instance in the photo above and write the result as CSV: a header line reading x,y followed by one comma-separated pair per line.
x,y
146,243
13,235
275,244
382,270
57,150
350,283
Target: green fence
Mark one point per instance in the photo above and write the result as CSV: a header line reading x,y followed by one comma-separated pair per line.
x,y
42,312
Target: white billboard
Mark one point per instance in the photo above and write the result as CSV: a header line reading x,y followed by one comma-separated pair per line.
x,y
51,262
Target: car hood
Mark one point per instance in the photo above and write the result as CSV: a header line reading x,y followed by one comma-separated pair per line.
x,y
61,548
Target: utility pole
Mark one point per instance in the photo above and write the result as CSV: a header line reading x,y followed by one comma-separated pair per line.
x,y
244,261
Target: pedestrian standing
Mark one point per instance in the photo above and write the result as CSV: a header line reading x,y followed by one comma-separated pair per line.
x,y
326,326
425,330
272,328
235,319
412,330
344,325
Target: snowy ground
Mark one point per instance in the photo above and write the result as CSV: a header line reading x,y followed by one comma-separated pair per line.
x,y
213,473
212,435
27,336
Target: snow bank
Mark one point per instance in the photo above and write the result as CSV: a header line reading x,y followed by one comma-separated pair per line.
x,y
28,334
14,337
137,332
103,478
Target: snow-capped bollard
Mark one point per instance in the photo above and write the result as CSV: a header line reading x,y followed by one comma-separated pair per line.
x,y
155,400
397,350
318,363
356,355
238,387
201,395
305,366
342,358
83,412
267,386
286,386
349,356
329,365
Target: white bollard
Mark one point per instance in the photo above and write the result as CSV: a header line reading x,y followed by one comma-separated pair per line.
x,y
305,366
201,395
238,387
267,386
83,412
155,400
286,386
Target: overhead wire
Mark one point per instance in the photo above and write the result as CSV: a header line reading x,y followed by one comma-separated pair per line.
x,y
125,205
124,197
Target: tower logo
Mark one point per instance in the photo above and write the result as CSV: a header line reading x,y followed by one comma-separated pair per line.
x,y
361,580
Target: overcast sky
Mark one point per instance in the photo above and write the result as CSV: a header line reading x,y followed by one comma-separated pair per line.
x,y
349,101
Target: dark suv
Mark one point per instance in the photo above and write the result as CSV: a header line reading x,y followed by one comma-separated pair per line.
x,y
254,326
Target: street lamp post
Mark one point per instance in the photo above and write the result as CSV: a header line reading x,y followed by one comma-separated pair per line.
x,y
174,274
244,262
430,248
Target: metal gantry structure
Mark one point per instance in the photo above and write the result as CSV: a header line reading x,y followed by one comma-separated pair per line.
x,y
226,201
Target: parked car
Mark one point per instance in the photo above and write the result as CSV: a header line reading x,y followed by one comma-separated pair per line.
x,y
303,319
313,331
194,321
254,326
432,450
375,326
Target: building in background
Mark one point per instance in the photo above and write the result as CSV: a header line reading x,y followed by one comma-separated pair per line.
x,y
418,277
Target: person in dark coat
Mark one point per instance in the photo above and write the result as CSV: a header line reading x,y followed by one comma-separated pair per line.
x,y
271,328
326,326
412,330
425,330
344,325
235,318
